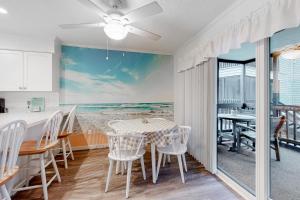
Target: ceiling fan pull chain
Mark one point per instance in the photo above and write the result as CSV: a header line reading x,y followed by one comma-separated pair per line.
x,y
107,49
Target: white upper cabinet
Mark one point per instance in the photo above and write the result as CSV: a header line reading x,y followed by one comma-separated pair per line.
x,y
38,71
11,70
25,71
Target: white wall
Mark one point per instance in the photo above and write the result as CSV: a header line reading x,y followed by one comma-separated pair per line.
x,y
16,101
56,64
24,43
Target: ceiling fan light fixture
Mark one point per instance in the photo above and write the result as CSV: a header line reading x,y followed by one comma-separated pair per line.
x,y
115,30
3,11
291,54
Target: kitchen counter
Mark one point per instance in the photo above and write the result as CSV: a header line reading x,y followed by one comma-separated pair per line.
x,y
32,118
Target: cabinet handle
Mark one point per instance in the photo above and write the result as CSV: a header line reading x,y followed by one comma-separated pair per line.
x,y
25,88
20,88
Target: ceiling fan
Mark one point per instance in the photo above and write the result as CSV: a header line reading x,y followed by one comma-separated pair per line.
x,y
116,24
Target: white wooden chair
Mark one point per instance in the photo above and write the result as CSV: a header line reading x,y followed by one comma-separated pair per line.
x,y
11,137
42,148
123,164
63,137
177,146
125,148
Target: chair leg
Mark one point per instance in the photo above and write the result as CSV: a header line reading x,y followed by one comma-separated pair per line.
x,y
164,160
117,167
143,167
5,192
184,162
28,170
43,177
70,148
55,166
122,168
276,145
63,143
169,159
128,178
111,165
158,163
180,168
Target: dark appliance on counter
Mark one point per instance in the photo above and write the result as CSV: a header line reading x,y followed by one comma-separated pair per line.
x,y
2,105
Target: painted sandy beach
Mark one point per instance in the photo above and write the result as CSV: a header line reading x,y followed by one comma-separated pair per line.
x,y
93,118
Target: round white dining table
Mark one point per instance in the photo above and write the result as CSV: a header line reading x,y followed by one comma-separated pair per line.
x,y
153,128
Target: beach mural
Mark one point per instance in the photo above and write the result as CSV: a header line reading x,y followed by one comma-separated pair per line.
x,y
115,85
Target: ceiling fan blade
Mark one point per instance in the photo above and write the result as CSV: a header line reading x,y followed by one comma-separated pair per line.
x,y
93,6
143,12
86,25
141,32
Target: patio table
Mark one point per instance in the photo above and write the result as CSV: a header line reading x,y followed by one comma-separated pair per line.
x,y
153,128
235,118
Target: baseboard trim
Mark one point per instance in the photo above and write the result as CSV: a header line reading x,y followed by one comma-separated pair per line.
x,y
90,147
235,186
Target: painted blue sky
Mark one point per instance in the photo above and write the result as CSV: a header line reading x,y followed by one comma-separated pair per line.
x,y
89,77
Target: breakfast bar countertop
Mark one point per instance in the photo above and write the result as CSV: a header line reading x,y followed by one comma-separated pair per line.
x,y
32,118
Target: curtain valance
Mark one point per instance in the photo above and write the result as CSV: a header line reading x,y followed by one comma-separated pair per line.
x,y
274,16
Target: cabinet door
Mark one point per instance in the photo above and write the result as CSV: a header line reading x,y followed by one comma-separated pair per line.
x,y
11,70
38,71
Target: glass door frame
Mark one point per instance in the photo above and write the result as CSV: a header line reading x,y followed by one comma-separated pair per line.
x,y
262,169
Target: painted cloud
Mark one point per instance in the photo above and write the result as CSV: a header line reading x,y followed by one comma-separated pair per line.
x,y
87,77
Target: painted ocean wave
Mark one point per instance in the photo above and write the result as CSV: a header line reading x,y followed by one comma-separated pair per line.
x,y
94,117
130,107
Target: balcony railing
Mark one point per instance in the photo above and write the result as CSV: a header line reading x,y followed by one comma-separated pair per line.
x,y
292,125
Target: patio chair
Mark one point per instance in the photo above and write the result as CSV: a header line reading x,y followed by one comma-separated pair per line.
x,y
249,134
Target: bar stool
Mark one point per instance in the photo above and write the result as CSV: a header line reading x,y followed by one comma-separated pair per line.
x,y
64,137
42,148
11,137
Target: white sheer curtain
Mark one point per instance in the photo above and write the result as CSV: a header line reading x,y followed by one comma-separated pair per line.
x,y
197,106
274,16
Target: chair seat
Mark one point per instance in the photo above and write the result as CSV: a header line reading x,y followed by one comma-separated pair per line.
x,y
125,155
8,175
63,135
29,147
180,149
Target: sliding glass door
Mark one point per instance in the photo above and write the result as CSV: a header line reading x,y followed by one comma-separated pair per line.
x,y
236,135
285,115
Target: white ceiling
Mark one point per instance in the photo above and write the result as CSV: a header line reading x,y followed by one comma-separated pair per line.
x,y
180,21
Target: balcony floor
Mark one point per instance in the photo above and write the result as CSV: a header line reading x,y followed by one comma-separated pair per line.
x,y
284,182
86,176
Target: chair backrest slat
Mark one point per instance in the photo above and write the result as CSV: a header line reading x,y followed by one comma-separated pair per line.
x,y
50,130
277,125
69,123
178,137
11,137
122,145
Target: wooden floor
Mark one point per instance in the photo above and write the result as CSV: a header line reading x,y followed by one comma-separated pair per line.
x,y
86,176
